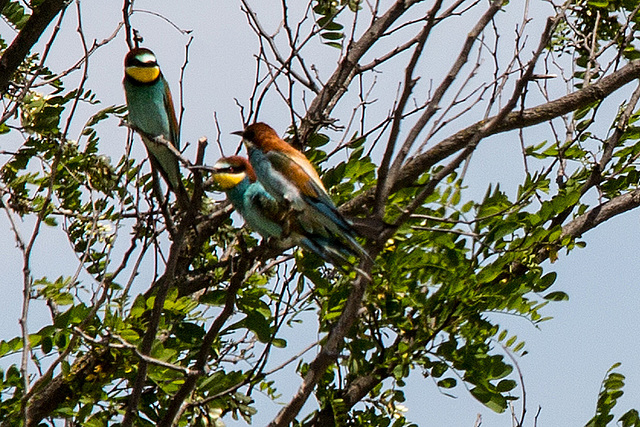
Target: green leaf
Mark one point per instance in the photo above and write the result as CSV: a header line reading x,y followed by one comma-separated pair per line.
x,y
332,36
630,419
506,385
494,401
334,44
129,335
317,140
279,343
546,281
257,323
47,345
447,383
489,273
557,296
14,12
64,298
215,298
327,24
603,4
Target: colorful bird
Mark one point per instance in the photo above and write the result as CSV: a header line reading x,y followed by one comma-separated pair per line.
x,y
292,180
152,115
262,212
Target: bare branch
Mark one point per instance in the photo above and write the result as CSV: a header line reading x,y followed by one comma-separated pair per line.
x,y
126,18
338,83
285,62
433,106
417,165
382,189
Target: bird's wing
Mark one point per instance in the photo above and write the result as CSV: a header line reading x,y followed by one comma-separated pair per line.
x,y
171,114
266,205
298,170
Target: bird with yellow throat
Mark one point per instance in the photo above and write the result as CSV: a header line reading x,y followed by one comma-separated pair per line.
x,y
152,115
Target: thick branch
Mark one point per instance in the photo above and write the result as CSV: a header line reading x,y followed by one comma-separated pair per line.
x,y
596,216
585,222
523,119
516,120
26,38
329,353
65,386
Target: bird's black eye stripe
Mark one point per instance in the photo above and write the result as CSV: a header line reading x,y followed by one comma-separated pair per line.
x,y
230,169
137,63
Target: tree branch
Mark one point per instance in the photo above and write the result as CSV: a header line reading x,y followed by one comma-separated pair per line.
x,y
434,103
329,352
26,38
181,395
382,189
596,216
419,164
338,83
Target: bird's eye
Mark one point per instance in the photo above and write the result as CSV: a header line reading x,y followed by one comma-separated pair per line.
x,y
229,169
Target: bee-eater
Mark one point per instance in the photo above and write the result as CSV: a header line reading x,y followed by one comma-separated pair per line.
x,y
152,115
293,181
264,214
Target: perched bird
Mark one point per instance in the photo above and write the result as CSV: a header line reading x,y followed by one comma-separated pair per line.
x,y
262,212
152,115
292,180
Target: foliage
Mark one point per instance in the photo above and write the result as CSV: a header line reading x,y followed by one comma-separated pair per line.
x,y
173,318
610,392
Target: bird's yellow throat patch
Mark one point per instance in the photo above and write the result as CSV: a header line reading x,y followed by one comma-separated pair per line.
x,y
228,180
143,74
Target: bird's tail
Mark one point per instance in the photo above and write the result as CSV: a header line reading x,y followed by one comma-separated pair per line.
x,y
331,219
327,250
333,252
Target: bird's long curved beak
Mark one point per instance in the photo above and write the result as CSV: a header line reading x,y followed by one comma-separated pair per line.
x,y
238,132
